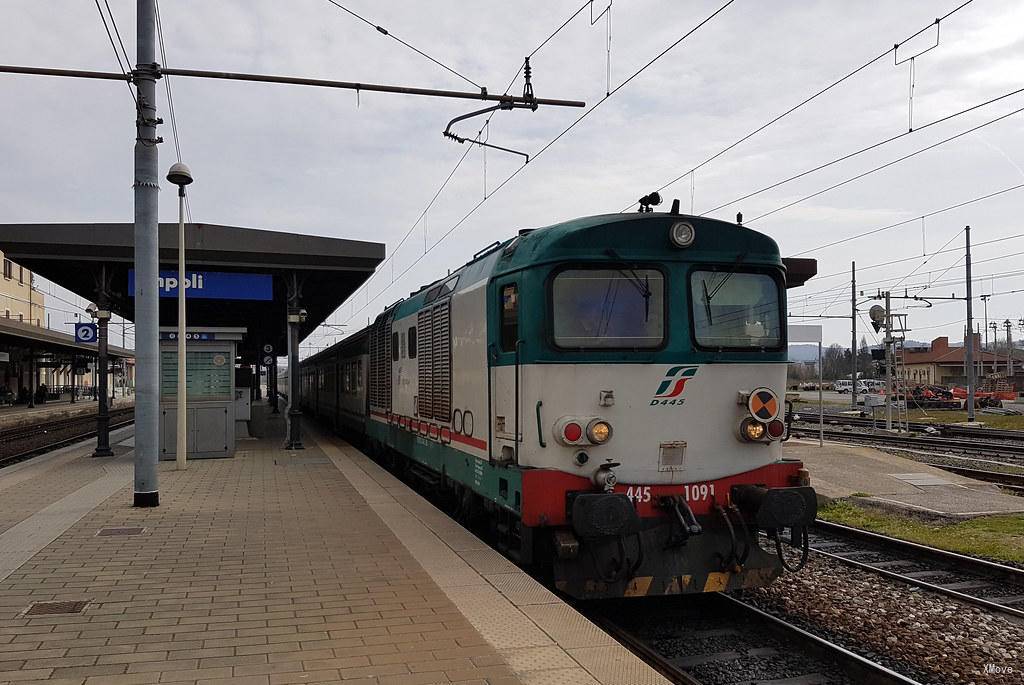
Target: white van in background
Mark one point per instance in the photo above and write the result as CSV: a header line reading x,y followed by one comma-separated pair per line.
x,y
843,385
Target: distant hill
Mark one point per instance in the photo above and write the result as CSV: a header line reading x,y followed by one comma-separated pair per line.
x,y
803,353
809,353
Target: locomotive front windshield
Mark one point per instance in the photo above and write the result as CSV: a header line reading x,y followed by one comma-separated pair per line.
x,y
609,308
735,310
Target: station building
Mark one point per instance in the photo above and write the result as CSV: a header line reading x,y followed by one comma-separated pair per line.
x,y
34,356
943,364
19,299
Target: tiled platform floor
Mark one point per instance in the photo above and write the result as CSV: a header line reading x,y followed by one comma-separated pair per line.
x,y
274,567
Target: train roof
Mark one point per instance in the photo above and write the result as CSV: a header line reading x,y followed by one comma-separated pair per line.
x,y
631,237
638,237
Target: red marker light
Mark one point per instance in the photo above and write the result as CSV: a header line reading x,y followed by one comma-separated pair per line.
x,y
572,432
775,429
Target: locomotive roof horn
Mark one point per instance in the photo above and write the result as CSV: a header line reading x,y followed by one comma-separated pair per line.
x,y
647,202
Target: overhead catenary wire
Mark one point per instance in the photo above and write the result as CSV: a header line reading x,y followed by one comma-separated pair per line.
x,y
907,221
113,23
822,295
846,272
888,164
458,164
383,31
809,99
842,293
976,278
928,259
125,68
548,145
862,150
170,102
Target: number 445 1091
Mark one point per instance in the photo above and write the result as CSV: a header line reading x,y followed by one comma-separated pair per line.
x,y
696,492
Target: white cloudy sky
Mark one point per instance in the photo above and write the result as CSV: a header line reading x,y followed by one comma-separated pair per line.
x,y
317,161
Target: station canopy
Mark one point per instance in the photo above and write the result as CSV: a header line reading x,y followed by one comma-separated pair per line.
x,y
16,334
241,274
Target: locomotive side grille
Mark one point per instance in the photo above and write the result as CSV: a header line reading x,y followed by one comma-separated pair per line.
x,y
425,362
442,361
372,358
386,363
380,363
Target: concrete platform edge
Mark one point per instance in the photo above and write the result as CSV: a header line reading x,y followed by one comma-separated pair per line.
x,y
543,639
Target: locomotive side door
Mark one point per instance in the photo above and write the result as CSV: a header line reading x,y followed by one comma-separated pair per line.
x,y
503,356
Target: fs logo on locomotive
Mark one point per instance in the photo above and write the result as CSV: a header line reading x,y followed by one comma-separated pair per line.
x,y
673,385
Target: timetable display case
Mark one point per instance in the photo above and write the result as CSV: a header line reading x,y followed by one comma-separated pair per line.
x,y
210,391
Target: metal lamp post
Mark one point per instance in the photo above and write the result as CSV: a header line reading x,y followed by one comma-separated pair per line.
x,y
181,176
102,316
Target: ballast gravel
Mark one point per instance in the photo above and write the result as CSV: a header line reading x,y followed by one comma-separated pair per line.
x,y
927,636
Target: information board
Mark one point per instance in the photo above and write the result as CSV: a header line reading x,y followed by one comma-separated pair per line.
x,y
207,374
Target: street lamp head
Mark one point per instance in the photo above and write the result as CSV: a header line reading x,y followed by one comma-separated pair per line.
x,y
179,174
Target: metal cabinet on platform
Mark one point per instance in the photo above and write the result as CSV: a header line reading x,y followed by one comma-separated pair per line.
x,y
210,384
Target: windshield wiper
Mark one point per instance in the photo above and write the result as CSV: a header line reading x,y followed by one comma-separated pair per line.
x,y
643,287
739,260
707,300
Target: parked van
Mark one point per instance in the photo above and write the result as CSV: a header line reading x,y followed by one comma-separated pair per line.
x,y
843,385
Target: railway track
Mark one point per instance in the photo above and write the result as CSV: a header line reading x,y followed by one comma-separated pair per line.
x,y
993,586
716,639
1008,481
24,442
985,448
947,430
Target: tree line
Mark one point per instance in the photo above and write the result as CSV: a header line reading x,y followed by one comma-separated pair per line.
x,y
836,364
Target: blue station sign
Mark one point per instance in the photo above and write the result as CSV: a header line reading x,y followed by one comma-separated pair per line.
x,y
213,285
86,332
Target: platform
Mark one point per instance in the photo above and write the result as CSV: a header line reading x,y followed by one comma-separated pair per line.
x,y
272,567
20,415
841,470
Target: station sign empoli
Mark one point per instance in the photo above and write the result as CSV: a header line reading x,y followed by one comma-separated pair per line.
x,y
213,285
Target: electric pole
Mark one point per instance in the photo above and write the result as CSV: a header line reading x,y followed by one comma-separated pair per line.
x,y
1009,349
147,313
853,334
984,301
970,332
995,346
888,363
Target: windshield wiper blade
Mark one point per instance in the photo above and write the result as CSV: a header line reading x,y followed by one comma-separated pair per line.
x,y
707,300
643,287
739,260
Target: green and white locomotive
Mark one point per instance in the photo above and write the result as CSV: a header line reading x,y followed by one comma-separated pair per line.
x,y
607,393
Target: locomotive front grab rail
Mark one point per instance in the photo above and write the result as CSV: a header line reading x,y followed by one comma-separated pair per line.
x,y
519,343
540,431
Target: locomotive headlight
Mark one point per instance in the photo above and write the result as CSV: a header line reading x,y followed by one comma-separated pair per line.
x,y
752,430
599,432
682,234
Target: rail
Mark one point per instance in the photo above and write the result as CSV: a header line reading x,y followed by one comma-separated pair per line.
x,y
943,428
816,656
993,586
24,442
944,444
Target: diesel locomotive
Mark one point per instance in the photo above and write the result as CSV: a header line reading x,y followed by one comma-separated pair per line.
x,y
605,394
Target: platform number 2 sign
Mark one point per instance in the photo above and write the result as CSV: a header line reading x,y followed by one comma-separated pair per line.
x,y
85,332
